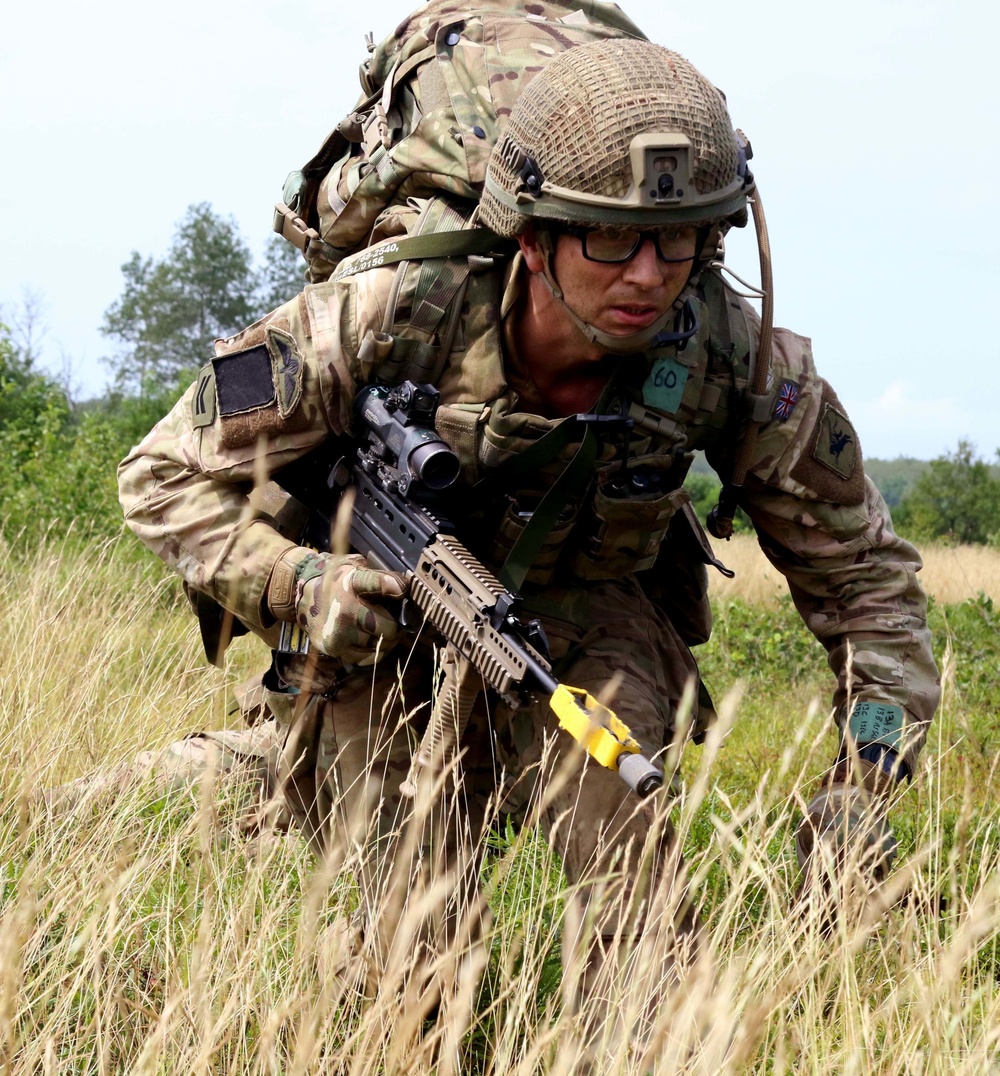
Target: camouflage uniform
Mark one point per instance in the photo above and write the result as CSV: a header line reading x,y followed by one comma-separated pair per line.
x,y
619,589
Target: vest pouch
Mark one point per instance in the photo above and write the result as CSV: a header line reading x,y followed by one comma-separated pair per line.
x,y
515,518
625,523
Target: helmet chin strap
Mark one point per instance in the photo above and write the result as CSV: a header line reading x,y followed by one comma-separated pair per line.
x,y
620,345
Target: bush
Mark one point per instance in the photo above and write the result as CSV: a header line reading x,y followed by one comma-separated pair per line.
x,y
57,466
957,499
759,643
704,490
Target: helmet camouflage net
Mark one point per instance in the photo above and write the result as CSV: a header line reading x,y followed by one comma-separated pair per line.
x,y
579,121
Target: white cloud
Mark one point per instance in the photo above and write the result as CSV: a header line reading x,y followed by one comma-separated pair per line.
x,y
907,420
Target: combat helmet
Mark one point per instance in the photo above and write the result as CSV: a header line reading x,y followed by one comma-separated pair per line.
x,y
623,132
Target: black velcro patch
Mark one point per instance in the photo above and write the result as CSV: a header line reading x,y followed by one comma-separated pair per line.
x,y
244,380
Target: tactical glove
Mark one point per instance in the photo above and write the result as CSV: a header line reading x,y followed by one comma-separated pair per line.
x,y
846,821
337,600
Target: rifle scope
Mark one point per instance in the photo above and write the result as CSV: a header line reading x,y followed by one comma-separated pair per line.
x,y
398,423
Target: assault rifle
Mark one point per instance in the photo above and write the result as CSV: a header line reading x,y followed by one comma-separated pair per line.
x,y
399,473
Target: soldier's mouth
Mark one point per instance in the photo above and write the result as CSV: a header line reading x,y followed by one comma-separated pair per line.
x,y
634,315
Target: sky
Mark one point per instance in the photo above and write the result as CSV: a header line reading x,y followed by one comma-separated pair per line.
x,y
874,125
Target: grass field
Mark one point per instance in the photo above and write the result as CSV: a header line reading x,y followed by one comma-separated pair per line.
x,y
140,934
950,573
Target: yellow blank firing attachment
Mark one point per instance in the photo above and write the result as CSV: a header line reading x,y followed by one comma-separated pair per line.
x,y
604,737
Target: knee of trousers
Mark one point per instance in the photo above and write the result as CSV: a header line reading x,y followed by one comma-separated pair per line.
x,y
246,754
605,835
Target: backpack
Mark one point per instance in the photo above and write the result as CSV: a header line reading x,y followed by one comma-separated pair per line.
x,y
435,97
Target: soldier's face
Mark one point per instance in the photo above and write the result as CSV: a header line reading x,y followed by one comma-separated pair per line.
x,y
619,298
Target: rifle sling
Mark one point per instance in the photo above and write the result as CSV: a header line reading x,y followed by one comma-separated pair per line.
x,y
572,480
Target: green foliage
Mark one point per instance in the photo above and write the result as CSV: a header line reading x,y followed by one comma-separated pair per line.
x,y
57,467
173,309
758,643
971,633
34,418
895,478
33,408
64,476
957,499
57,460
26,393
704,489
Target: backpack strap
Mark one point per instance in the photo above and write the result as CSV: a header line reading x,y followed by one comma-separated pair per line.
x,y
566,487
470,241
448,252
437,284
465,243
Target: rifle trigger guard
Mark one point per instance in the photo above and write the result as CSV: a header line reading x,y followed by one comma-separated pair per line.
x,y
411,616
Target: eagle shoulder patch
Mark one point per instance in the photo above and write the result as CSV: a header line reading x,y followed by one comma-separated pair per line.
x,y
287,370
831,464
836,446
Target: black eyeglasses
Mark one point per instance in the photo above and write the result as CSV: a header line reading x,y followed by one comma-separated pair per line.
x,y
616,245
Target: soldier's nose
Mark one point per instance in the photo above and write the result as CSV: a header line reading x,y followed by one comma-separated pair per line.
x,y
644,267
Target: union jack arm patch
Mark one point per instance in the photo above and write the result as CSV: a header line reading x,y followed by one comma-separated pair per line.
x,y
787,398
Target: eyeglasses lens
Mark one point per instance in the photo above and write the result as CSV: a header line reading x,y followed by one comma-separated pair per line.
x,y
619,245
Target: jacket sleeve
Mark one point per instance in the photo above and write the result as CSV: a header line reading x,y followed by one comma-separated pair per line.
x,y
272,393
826,528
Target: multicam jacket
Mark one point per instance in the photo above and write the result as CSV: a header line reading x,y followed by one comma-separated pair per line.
x,y
286,384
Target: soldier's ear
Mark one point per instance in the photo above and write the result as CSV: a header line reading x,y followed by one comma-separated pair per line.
x,y
531,248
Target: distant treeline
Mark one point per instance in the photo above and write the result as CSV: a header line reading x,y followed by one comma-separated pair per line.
x,y
954,498
894,478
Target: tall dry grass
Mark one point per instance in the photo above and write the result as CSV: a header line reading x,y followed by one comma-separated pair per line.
x,y
139,934
950,574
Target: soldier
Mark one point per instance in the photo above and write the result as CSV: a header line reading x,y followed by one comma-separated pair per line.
x,y
616,176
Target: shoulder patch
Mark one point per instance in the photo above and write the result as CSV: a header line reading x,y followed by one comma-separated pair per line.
x,y
258,389
831,464
836,446
785,401
287,368
244,380
203,404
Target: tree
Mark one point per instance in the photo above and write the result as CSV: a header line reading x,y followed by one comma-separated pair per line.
x,y
29,398
956,499
57,465
282,275
172,310
895,478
